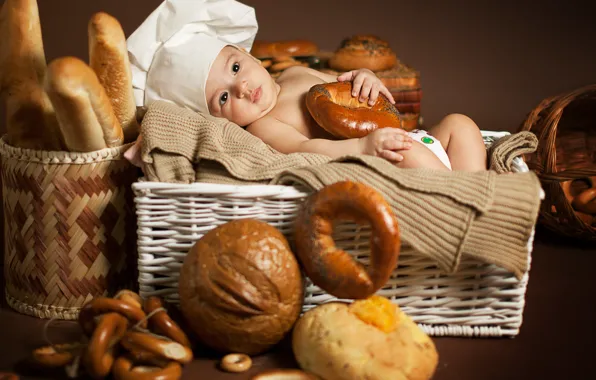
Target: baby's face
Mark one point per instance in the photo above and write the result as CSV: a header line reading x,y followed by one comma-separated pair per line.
x,y
239,88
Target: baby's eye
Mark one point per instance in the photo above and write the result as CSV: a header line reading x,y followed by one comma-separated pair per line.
x,y
223,99
236,67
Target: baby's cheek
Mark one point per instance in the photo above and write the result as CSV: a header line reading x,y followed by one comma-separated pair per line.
x,y
237,113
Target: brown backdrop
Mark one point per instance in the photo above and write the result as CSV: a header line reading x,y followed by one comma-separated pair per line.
x,y
493,61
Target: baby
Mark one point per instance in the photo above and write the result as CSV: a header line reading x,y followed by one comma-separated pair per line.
x,y
239,89
204,66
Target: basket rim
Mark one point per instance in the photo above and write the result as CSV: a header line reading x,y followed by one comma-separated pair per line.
x,y
61,156
207,188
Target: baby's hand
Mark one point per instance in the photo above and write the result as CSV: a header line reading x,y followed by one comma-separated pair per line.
x,y
367,84
133,154
385,142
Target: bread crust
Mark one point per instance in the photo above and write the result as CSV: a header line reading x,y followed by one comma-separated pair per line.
x,y
333,343
84,112
108,57
363,51
331,268
240,286
30,119
334,108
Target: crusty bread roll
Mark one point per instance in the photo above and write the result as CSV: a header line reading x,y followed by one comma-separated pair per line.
x,y
30,119
344,116
366,340
108,57
363,51
240,287
84,112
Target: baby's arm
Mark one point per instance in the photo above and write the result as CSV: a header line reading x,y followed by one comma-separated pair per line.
x,y
384,142
133,154
364,82
286,139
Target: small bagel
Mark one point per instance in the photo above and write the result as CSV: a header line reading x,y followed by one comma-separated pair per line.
x,y
331,268
586,201
129,297
236,363
582,200
280,66
162,322
266,63
99,355
293,48
104,305
142,357
138,341
283,58
125,369
338,112
57,355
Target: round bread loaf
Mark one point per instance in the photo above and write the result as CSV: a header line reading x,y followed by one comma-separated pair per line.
x,y
370,339
363,52
241,289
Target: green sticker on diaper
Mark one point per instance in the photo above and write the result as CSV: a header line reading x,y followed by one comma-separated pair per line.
x,y
427,140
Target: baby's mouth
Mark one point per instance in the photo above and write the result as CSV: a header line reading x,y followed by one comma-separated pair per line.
x,y
256,94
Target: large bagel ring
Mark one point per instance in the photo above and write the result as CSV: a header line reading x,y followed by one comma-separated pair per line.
x,y
331,268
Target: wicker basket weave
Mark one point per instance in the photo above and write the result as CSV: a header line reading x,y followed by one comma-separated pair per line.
x,y
69,228
566,129
479,300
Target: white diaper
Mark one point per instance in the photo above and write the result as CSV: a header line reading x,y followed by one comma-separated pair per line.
x,y
431,143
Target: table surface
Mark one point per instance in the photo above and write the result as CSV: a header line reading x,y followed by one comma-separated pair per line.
x,y
557,330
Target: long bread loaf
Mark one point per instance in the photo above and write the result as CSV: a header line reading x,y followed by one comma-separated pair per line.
x,y
30,119
108,57
84,112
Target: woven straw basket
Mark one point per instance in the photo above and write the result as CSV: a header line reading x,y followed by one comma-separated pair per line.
x,y
566,129
480,300
69,228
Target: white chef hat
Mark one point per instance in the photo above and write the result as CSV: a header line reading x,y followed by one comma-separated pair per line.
x,y
171,53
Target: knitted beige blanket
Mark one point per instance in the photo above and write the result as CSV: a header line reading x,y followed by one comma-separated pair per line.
x,y
442,215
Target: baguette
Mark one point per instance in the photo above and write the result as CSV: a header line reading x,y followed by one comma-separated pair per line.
x,y
30,119
84,112
108,57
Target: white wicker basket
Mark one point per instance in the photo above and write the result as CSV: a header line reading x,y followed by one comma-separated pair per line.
x,y
480,300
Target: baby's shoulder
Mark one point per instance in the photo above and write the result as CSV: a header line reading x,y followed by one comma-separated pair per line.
x,y
297,73
262,127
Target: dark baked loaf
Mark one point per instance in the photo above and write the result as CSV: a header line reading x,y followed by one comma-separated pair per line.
x,y
363,51
241,289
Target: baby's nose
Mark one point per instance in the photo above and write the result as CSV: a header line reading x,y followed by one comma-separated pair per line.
x,y
242,88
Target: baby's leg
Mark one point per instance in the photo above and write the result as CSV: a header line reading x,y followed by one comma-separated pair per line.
x,y
419,156
462,141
